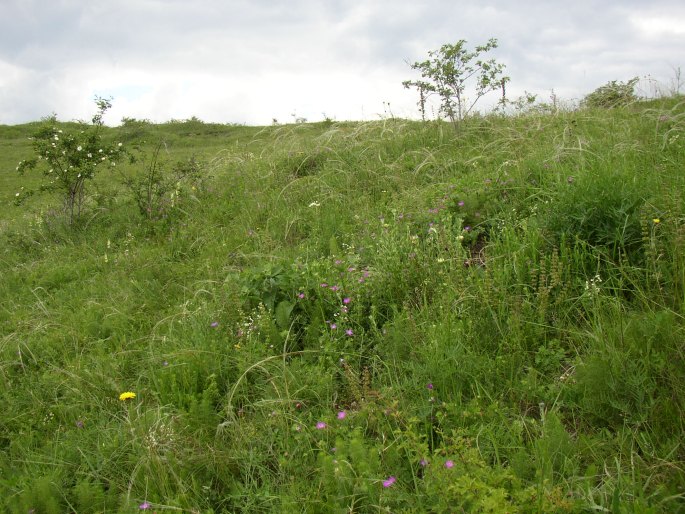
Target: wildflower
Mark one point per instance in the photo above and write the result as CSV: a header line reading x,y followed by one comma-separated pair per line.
x,y
145,505
430,385
323,284
79,424
423,463
347,300
460,203
333,326
128,395
656,220
389,481
335,288
321,425
300,296
349,332
342,414
214,324
79,148
467,228
449,464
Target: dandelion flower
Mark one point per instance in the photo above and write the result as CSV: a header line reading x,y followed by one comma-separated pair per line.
x,y
128,395
656,220
389,481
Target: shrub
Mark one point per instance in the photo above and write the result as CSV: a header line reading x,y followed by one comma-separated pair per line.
x,y
70,158
612,94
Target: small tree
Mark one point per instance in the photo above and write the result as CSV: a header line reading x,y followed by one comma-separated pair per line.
x,y
69,158
448,71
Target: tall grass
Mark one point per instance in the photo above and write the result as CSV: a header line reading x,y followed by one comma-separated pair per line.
x,y
360,317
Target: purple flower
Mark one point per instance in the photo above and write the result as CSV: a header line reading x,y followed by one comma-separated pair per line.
x,y
449,464
347,300
338,262
429,385
389,481
342,414
145,505
335,288
460,203
423,463
323,284
300,296
349,332
214,324
321,425
333,326
467,228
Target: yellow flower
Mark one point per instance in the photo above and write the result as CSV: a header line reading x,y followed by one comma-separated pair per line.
x,y
128,395
656,220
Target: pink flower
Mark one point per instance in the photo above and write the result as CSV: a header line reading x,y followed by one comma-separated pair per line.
x,y
214,324
333,326
342,414
346,300
389,481
449,464
145,505
349,332
429,385
321,425
300,296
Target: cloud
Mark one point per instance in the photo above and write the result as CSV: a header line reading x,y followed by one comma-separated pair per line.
x,y
250,61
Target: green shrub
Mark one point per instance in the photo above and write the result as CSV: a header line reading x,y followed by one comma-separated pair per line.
x,y
612,94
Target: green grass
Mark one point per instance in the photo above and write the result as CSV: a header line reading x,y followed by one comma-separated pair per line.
x,y
532,362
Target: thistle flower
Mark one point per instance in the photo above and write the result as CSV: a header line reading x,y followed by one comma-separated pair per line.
x,y
389,482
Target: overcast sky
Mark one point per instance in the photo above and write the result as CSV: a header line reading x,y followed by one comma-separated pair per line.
x,y
250,61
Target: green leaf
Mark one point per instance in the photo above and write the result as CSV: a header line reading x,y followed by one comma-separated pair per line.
x,y
283,311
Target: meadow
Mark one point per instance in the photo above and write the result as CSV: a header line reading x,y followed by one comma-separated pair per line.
x,y
384,316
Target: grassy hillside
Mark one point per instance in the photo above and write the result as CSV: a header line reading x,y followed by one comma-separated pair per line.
x,y
352,317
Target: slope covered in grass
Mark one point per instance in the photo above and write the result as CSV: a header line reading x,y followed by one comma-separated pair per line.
x,y
361,317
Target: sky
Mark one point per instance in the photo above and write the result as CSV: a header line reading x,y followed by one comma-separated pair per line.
x,y
253,61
